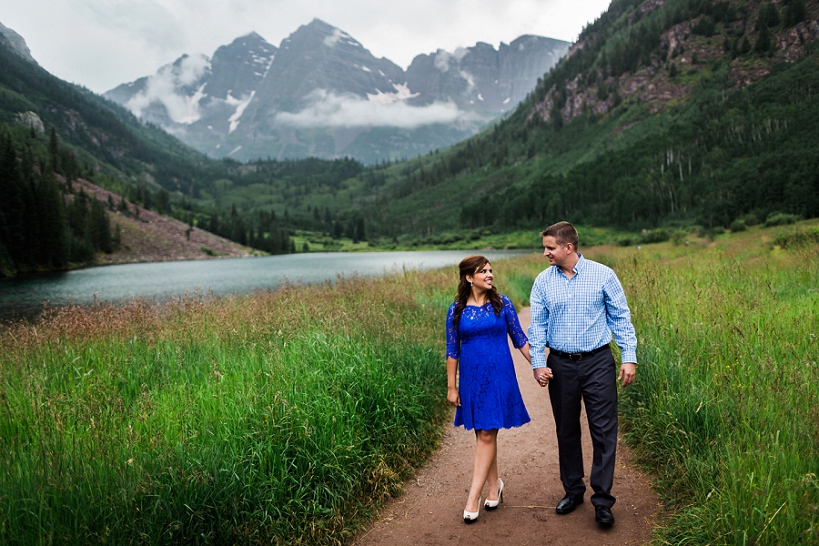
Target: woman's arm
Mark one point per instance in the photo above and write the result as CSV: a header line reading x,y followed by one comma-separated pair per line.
x,y
525,352
452,393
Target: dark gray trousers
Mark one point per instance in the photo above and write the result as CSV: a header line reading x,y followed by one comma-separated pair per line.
x,y
593,380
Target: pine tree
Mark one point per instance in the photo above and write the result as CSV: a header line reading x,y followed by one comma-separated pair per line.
x,y
78,215
763,42
54,224
795,13
12,202
54,150
34,206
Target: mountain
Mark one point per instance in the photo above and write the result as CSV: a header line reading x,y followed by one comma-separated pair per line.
x,y
664,114
16,43
321,93
481,77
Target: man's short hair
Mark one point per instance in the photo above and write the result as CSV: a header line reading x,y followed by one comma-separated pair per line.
x,y
563,232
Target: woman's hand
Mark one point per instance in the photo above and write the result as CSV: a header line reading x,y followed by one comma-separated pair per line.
x,y
542,375
453,396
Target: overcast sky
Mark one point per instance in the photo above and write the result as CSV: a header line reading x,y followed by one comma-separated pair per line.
x,y
103,43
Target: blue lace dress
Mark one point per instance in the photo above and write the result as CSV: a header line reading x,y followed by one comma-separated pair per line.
x,y
490,396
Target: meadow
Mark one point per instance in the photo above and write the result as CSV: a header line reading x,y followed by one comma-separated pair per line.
x,y
282,417
725,409
288,417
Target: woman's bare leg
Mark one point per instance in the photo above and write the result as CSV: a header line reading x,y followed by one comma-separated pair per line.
x,y
485,467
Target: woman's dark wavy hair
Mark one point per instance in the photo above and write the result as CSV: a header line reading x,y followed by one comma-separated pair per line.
x,y
469,266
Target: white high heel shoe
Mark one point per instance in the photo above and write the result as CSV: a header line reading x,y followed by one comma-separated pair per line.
x,y
470,517
493,504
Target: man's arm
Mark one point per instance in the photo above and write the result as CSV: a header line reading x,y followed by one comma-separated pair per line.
x,y
618,318
538,328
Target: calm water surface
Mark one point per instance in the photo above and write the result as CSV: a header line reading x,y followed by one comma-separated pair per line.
x,y
26,297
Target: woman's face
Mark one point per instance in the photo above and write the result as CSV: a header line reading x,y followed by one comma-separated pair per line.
x,y
483,278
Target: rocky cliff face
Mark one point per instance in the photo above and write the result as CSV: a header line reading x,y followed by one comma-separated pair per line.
x,y
321,93
16,43
482,78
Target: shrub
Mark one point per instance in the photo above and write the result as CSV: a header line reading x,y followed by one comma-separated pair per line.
x,y
704,27
750,219
805,237
678,236
780,219
655,236
738,225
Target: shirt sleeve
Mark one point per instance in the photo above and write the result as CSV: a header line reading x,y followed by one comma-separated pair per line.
x,y
538,329
618,318
513,327
453,339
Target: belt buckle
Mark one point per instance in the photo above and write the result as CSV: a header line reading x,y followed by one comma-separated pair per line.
x,y
573,355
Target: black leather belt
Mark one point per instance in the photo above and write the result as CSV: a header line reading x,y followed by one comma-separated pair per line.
x,y
577,356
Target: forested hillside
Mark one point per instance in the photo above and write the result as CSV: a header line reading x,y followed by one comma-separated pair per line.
x,y
676,113
53,133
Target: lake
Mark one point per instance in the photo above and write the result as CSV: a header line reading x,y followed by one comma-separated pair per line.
x,y
26,297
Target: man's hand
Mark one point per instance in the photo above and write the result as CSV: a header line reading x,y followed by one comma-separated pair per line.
x,y
453,396
627,372
542,375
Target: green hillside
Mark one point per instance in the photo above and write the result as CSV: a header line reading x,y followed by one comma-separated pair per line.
x,y
631,133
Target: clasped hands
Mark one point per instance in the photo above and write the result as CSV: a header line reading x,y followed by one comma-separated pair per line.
x,y
542,375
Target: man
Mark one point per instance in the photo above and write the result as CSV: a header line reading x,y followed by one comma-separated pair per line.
x,y
576,306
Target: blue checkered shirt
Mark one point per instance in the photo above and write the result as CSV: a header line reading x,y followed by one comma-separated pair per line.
x,y
580,314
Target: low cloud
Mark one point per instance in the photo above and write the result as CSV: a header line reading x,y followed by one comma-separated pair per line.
x,y
333,39
167,87
443,59
328,109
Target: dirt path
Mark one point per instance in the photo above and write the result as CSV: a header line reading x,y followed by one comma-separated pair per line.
x,y
430,511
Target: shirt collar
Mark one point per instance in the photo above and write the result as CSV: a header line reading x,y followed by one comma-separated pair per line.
x,y
581,263
578,267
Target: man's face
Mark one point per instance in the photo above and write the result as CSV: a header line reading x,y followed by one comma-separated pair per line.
x,y
557,254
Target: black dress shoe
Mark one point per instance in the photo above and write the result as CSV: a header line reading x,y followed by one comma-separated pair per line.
x,y
568,504
603,515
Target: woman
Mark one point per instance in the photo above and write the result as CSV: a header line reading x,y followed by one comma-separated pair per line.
x,y
488,397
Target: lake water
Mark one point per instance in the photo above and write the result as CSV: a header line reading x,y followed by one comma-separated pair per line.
x,y
25,297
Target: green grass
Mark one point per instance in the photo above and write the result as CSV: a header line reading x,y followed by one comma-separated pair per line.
x,y
725,409
462,239
726,406
283,417
288,417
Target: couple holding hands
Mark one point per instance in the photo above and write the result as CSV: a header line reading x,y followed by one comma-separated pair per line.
x,y
576,306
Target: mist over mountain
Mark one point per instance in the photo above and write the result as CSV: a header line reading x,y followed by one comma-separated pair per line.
x,y
322,93
16,43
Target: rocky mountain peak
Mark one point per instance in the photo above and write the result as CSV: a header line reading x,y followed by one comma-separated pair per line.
x,y
238,68
16,43
322,93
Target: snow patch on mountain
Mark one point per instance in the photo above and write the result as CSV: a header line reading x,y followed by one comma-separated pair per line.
x,y
339,35
469,80
240,109
328,109
167,87
402,92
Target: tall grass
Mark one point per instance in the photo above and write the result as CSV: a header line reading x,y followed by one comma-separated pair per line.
x,y
725,409
726,406
286,417
282,417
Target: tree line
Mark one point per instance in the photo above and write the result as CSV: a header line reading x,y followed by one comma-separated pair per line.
x,y
43,223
